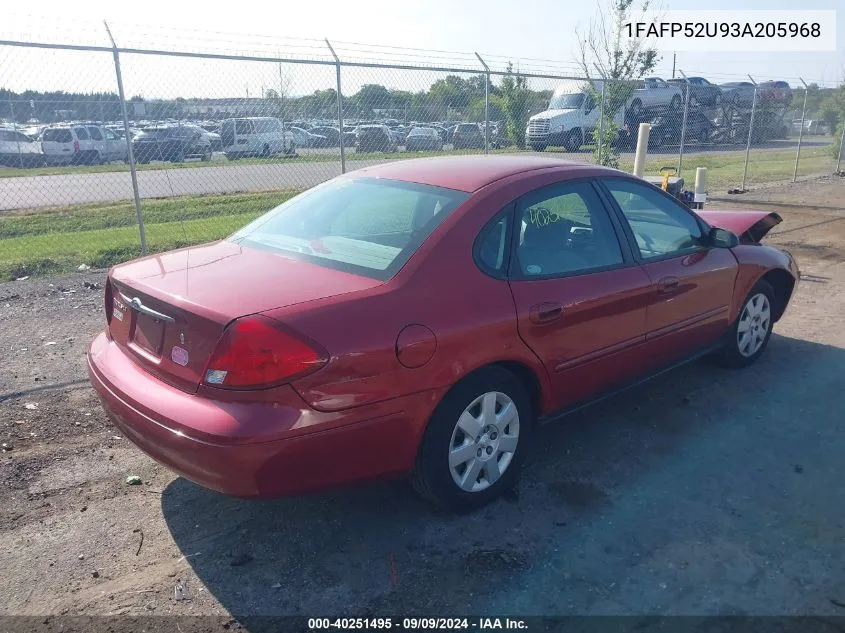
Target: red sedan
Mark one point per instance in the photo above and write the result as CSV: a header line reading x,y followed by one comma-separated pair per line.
x,y
423,317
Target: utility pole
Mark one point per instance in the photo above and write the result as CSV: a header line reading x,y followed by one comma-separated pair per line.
x,y
674,59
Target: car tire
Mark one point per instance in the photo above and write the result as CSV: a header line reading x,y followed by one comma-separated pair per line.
x,y
574,140
539,147
488,467
206,156
750,333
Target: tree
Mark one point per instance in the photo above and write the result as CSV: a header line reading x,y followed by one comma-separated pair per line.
x,y
605,52
513,98
372,97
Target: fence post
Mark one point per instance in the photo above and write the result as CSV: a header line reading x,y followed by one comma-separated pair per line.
x,y
486,105
683,122
600,139
15,128
339,109
750,132
801,131
841,143
128,136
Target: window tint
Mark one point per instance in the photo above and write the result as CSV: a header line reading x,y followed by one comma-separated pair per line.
x,y
95,133
492,247
7,135
364,226
81,133
661,227
243,126
57,135
565,229
110,136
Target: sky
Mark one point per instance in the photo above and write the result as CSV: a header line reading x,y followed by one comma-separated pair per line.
x,y
447,32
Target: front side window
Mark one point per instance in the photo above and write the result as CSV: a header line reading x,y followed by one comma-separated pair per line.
x,y
369,227
565,229
661,227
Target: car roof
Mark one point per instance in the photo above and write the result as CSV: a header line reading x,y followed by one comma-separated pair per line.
x,y
470,173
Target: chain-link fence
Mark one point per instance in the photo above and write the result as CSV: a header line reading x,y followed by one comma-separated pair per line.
x,y
111,151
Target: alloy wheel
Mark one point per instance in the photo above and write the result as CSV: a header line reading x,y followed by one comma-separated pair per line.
x,y
754,324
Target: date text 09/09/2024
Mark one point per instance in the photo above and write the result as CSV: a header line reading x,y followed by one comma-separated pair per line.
x,y
417,624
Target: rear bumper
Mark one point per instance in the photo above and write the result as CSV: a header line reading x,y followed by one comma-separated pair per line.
x,y
268,448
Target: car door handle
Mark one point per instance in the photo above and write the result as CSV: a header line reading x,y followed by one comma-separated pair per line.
x,y
544,312
668,284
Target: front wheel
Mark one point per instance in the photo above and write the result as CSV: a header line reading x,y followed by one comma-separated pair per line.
x,y
475,441
752,329
574,140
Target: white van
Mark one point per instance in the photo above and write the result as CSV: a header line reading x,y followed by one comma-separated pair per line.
x,y
254,136
569,121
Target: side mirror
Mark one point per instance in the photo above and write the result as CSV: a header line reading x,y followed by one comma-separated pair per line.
x,y
720,238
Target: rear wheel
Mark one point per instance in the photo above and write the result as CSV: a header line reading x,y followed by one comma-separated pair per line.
x,y
539,147
752,329
475,441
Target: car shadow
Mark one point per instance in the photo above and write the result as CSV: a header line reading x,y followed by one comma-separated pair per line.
x,y
602,488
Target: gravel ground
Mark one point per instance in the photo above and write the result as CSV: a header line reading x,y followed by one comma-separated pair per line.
x,y
703,492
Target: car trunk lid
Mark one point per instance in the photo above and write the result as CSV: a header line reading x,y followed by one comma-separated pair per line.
x,y
750,226
169,311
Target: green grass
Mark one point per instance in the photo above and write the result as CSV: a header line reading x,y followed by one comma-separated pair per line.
x,y
59,240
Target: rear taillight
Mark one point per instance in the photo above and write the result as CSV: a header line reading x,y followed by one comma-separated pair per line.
x,y
109,302
76,146
254,352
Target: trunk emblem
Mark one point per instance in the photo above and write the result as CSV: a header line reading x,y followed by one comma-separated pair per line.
x,y
179,355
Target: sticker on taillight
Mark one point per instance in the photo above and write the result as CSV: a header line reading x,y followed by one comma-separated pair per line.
x,y
117,314
179,355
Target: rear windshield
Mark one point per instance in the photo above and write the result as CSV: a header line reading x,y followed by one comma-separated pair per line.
x,y
370,131
365,226
155,132
468,127
57,135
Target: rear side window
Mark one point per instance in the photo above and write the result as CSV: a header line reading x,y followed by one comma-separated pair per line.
x,y
265,126
57,135
95,133
244,127
81,133
492,247
365,226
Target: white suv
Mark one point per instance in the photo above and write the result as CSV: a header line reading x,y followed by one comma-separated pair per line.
x,y
82,143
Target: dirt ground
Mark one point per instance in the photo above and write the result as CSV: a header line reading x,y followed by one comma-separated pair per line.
x,y
703,492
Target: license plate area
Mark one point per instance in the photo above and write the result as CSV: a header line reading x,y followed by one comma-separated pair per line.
x,y
148,334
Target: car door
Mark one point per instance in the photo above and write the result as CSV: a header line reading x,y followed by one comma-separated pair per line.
x,y
98,141
692,282
580,296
